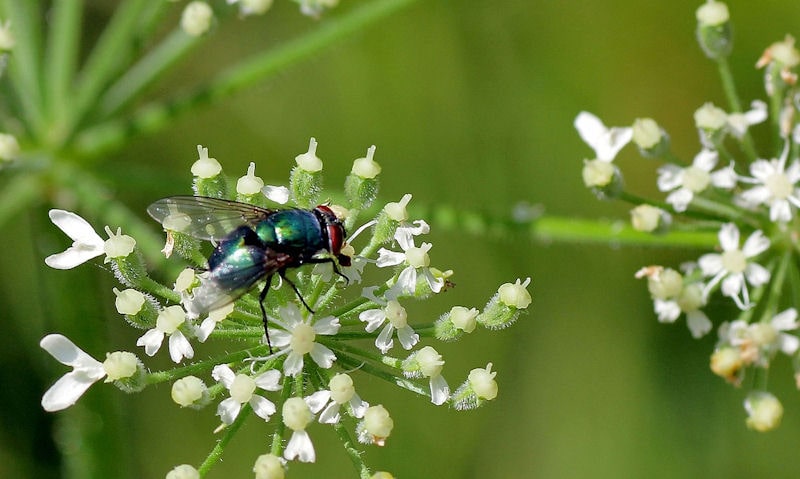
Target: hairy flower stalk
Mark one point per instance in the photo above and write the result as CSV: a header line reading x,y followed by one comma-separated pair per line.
x,y
750,200
309,372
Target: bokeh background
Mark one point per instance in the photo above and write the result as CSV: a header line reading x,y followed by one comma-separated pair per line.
x,y
470,105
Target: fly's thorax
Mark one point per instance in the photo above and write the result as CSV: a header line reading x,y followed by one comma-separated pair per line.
x,y
295,231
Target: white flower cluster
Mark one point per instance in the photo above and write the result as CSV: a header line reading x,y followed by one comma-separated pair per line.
x,y
749,201
306,355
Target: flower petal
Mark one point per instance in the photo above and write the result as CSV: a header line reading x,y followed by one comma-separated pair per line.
x,y
300,447
65,352
756,244
384,340
698,323
331,413
179,347
151,340
756,274
72,256
269,381
67,390
440,391
323,356
785,320
408,338
318,400
224,374
329,325
729,237
389,258
373,317
77,228
293,364
228,409
263,407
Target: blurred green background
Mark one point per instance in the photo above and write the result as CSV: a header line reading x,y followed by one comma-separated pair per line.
x,y
470,105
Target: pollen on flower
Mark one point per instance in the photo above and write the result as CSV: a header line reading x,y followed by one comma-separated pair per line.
x,y
120,365
204,167
188,391
129,301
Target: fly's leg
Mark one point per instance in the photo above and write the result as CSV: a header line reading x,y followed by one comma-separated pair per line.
x,y
261,299
283,277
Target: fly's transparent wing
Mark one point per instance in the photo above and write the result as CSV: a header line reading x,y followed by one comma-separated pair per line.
x,y
232,277
205,218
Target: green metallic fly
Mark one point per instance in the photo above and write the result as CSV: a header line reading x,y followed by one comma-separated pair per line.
x,y
251,243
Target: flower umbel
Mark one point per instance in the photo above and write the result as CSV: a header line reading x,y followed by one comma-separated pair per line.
x,y
319,355
756,273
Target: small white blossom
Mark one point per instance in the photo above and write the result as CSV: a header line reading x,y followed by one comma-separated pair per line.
x,y
606,142
188,391
196,18
249,184
775,186
183,471
376,426
85,371
269,466
764,411
242,388
169,320
395,317
341,391
205,167
309,161
296,339
712,13
738,123
417,261
366,167
684,183
215,316
735,265
87,244
129,301
297,416
9,147
427,362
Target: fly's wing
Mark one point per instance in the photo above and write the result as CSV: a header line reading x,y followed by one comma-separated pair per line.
x,y
232,278
205,218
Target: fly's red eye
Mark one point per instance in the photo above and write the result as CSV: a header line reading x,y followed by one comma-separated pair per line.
x,y
335,238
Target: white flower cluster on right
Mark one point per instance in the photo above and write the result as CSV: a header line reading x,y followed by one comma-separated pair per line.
x,y
749,202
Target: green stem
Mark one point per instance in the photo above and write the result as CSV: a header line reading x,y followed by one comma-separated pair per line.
x,y
110,55
203,366
18,195
143,74
25,69
61,59
216,454
352,450
729,87
153,117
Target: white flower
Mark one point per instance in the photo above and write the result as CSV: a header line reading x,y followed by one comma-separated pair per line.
x,y
764,411
169,320
330,401
297,416
242,388
196,18
85,371
210,323
738,123
395,317
688,301
735,265
376,426
87,244
684,183
774,186
417,261
606,142
427,362
297,339
249,184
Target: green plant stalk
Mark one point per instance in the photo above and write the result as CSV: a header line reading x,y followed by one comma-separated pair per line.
x,y
61,58
113,134
729,87
216,454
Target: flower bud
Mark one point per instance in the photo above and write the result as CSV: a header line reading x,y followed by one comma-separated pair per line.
x,y
120,365
269,466
189,391
184,471
714,30
305,181
764,411
377,425
649,138
249,184
196,18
